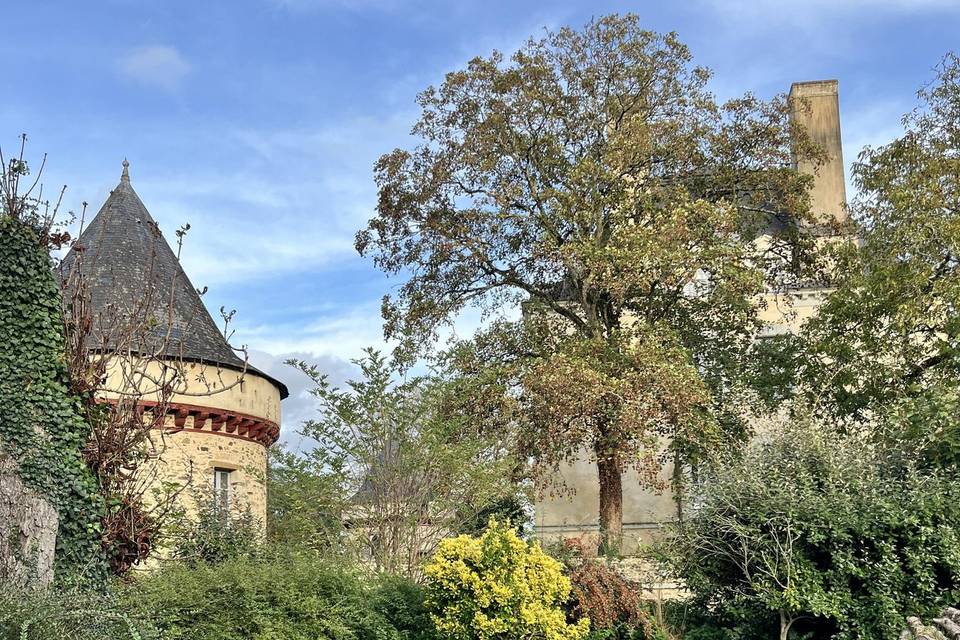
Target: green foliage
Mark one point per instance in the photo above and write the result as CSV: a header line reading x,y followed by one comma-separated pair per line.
x,y
44,615
290,597
514,508
402,602
927,418
773,368
40,423
304,501
832,532
891,329
215,532
498,586
691,619
407,471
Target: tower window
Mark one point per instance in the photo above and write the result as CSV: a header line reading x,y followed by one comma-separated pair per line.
x,y
221,486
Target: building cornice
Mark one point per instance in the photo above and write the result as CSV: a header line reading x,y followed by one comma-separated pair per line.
x,y
220,422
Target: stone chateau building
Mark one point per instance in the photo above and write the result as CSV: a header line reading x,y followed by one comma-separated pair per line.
x,y
645,511
221,413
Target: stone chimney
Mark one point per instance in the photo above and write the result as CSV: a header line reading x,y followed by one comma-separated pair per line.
x,y
817,107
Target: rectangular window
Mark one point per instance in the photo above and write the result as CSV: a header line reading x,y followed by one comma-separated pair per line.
x,y
221,486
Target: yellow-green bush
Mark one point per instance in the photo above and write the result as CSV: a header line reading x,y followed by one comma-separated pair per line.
x,y
498,586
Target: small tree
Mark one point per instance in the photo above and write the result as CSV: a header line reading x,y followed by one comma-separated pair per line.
x,y
410,473
304,500
498,586
845,535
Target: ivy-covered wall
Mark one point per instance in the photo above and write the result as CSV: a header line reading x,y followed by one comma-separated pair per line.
x,y
40,422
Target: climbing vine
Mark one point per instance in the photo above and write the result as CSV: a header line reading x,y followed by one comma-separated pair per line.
x,y
40,421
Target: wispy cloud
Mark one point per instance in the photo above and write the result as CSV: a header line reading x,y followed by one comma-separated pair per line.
x,y
344,332
157,65
291,202
301,405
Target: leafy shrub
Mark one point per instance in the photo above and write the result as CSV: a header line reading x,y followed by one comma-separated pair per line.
x,y
611,602
401,601
294,597
215,533
498,586
46,615
842,535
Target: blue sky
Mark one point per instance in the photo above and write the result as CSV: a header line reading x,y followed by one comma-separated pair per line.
x,y
258,121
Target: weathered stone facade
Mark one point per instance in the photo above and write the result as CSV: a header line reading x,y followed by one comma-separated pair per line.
x,y
227,424
28,530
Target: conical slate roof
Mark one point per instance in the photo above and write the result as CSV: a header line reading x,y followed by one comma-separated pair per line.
x,y
127,265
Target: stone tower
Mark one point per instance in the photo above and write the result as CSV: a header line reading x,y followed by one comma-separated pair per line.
x,y
221,413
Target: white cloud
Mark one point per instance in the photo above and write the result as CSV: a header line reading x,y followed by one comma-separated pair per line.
x,y
343,333
300,405
157,65
294,199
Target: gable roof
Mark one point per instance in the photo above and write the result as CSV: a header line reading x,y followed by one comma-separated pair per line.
x,y
127,261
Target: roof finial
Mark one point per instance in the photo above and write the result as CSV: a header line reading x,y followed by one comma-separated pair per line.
x,y
125,176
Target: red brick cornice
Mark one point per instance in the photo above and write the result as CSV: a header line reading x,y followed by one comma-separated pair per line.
x,y
231,424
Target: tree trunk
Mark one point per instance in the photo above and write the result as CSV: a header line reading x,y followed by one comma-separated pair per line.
x,y
610,474
29,531
677,485
785,623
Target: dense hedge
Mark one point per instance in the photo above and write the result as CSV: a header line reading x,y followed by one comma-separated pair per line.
x,y
67,615
291,597
40,423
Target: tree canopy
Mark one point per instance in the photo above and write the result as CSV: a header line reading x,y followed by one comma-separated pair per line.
x,y
593,178
891,329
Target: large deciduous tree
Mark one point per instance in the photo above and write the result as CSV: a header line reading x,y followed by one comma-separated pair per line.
x,y
594,176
